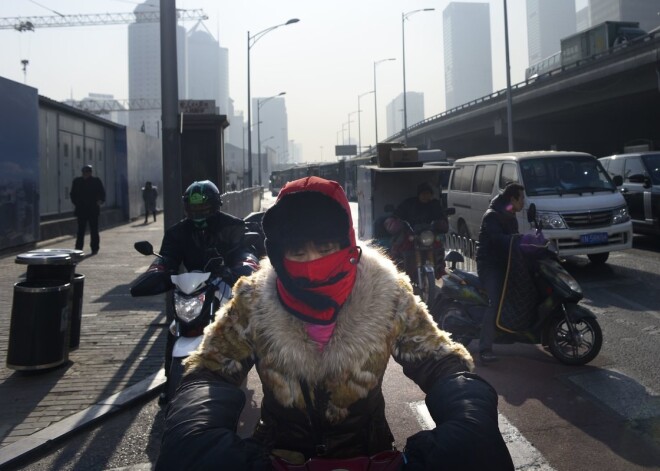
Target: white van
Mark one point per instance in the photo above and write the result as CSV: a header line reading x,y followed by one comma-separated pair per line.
x,y
577,203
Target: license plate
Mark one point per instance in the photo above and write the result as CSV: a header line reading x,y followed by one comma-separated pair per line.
x,y
594,238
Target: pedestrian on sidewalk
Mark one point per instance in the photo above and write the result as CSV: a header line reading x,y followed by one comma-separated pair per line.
x,y
149,195
87,195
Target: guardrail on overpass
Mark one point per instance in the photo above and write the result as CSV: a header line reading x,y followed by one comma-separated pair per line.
x,y
650,40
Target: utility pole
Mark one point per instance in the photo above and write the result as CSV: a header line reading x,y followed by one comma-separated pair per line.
x,y
172,186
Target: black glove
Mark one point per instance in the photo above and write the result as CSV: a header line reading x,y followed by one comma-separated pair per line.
x,y
200,429
466,437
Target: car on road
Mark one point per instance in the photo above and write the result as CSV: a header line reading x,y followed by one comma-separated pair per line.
x,y
637,176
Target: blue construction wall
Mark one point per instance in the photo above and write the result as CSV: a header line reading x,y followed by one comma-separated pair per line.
x,y
19,164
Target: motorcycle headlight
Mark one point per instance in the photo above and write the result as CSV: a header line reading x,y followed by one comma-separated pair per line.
x,y
187,308
551,220
569,281
427,238
620,215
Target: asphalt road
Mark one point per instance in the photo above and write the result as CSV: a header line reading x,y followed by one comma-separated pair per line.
x,y
605,415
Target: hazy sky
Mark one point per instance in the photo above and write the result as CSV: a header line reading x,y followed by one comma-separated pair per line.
x,y
322,63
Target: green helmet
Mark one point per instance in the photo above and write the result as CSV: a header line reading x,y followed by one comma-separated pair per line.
x,y
201,200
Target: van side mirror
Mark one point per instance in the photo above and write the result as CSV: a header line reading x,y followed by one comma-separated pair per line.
x,y
531,213
617,180
639,178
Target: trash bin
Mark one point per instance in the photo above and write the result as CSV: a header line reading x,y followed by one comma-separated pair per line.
x,y
59,264
42,332
39,327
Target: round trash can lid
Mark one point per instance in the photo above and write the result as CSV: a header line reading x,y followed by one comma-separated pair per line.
x,y
76,255
38,257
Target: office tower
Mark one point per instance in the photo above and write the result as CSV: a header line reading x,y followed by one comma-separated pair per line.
x,y
144,68
643,11
273,129
207,71
468,64
394,111
547,24
582,19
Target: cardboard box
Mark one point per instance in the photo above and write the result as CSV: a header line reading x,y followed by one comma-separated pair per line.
x,y
404,157
384,149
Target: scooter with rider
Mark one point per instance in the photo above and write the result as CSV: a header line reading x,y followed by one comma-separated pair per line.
x,y
522,293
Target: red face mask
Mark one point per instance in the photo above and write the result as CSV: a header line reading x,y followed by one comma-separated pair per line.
x,y
332,277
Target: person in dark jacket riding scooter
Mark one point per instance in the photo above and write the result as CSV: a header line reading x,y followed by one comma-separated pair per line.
x,y
498,225
320,321
205,232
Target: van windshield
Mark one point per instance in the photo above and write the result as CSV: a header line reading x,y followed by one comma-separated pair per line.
x,y
559,175
652,162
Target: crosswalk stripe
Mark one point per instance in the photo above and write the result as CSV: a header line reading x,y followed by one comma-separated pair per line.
x,y
525,456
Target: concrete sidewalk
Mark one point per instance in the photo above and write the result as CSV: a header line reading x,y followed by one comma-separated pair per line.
x,y
121,350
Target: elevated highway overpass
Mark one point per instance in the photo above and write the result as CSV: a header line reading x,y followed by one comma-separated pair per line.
x,y
597,105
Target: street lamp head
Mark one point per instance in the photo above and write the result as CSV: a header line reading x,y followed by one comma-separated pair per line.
x,y
291,21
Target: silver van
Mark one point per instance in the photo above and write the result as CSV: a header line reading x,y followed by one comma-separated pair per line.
x,y
577,203
638,177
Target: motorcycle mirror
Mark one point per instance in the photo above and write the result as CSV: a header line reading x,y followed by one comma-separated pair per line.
x,y
144,247
531,213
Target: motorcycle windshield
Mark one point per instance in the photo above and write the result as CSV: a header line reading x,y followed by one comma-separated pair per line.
x,y
190,282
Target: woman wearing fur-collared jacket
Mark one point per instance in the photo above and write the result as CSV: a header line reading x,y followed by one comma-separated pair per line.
x,y
320,323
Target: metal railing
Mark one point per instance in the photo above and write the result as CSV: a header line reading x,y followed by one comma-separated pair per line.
x,y
464,246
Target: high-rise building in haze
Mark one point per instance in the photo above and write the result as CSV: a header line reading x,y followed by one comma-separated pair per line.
x,y
547,24
643,11
144,67
468,64
207,71
272,130
582,19
394,111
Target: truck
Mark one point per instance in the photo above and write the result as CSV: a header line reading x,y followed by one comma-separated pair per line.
x,y
598,39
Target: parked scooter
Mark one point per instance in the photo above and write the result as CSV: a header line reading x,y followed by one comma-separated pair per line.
x,y
569,330
196,298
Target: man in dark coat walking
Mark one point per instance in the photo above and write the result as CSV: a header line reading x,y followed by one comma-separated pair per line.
x,y
87,195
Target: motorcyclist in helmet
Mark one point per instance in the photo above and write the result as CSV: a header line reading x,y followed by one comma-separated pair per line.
x,y
193,240
421,209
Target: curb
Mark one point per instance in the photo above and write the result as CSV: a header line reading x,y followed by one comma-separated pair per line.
x,y
54,433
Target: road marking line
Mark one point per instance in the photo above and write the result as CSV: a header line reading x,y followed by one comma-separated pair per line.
x,y
525,456
619,392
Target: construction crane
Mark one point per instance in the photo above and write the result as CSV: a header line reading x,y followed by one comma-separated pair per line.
x,y
96,106
29,23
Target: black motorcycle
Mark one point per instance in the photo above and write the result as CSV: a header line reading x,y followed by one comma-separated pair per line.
x,y
556,320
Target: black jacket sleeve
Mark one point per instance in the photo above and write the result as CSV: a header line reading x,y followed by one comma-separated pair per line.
x,y
466,437
200,429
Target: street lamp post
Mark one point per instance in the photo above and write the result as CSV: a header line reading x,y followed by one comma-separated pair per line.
x,y
251,41
405,16
359,130
349,125
261,103
509,113
375,96
259,142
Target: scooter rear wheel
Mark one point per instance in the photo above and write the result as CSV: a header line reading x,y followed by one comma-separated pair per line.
x,y
576,346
